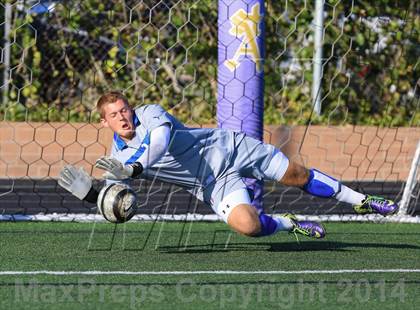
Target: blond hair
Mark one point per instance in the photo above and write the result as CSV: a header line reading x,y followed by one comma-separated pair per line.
x,y
110,97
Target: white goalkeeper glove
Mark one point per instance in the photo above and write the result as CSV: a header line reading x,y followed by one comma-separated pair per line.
x,y
76,181
116,170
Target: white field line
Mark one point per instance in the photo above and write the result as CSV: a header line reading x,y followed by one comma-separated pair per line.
x,y
205,272
191,217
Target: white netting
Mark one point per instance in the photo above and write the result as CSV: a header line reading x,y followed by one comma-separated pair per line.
x,y
59,56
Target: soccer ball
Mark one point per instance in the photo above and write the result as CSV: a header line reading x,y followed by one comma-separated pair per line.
x,y
117,202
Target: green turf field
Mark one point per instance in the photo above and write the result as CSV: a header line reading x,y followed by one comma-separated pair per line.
x,y
208,247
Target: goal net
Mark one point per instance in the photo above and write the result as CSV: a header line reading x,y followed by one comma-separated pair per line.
x,y
58,57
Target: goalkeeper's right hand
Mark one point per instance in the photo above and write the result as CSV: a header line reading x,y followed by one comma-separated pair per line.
x,y
76,181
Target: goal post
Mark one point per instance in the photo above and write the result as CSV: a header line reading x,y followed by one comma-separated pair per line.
x,y
240,75
411,191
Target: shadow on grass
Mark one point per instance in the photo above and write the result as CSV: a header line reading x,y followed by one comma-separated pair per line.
x,y
284,247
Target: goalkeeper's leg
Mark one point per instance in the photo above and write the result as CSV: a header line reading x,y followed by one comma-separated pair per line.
x,y
320,184
246,220
236,210
263,161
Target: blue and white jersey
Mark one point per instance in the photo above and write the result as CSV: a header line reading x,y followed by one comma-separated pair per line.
x,y
195,156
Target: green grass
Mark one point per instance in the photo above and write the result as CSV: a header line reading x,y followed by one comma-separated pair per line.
x,y
206,246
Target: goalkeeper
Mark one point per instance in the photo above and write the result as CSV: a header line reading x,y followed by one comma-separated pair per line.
x,y
211,164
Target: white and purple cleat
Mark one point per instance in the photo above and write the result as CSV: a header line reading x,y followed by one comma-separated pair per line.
x,y
376,205
307,228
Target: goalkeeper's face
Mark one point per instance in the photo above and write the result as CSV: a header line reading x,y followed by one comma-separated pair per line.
x,y
119,117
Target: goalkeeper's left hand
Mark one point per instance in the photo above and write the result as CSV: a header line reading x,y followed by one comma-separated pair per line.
x,y
76,181
116,170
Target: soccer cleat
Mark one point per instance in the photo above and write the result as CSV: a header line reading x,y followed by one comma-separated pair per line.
x,y
307,228
376,204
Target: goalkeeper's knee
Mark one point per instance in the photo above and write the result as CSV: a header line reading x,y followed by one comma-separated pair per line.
x,y
321,185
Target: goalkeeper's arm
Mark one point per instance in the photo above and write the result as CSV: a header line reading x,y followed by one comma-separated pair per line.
x,y
159,143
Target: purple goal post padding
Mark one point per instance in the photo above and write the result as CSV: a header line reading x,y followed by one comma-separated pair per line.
x,y
240,102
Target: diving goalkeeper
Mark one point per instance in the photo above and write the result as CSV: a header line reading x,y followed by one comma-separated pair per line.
x,y
210,163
